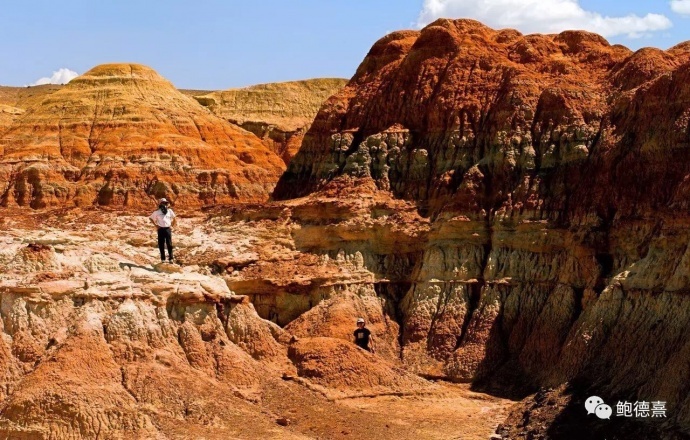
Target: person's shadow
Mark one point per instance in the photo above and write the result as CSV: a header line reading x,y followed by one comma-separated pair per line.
x,y
131,265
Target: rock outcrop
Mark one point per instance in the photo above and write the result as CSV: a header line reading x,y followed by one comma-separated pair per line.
x,y
99,343
554,173
278,113
121,135
7,115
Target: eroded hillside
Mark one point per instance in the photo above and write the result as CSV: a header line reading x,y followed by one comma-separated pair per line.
x,y
121,135
279,113
507,211
98,342
553,172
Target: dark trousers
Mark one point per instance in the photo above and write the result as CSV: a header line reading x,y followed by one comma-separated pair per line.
x,y
165,238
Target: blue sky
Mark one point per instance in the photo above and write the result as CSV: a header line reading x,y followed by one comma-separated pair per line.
x,y
213,44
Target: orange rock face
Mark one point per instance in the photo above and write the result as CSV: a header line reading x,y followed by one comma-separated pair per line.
x,y
554,171
425,107
121,135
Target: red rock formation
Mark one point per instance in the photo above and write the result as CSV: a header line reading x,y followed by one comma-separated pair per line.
x,y
460,86
555,170
122,135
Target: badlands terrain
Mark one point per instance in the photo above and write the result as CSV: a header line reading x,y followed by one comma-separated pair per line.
x,y
509,213
98,342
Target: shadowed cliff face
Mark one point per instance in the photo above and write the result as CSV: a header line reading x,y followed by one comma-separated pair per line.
x,y
555,173
121,135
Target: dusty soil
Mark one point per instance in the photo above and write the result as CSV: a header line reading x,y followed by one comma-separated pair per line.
x,y
451,412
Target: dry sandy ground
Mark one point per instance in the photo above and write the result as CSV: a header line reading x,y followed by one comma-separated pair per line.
x,y
453,412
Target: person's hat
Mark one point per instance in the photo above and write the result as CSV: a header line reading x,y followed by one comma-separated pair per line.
x,y
360,320
163,200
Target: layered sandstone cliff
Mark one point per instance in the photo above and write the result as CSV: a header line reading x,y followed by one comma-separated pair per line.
x,y
554,174
121,135
279,113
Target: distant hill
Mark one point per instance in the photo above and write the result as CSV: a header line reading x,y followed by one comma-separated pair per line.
x,y
279,113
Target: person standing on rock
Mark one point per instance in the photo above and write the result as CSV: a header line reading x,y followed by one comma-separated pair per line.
x,y
164,219
363,336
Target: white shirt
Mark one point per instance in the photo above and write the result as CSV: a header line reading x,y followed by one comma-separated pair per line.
x,y
163,220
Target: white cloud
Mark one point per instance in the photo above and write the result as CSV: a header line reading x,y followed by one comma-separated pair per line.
x,y
546,16
60,76
681,7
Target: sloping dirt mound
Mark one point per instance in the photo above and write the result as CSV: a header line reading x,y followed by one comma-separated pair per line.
x,y
76,393
278,113
335,317
342,366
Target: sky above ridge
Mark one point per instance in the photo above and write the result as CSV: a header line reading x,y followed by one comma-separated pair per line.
x,y
216,44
